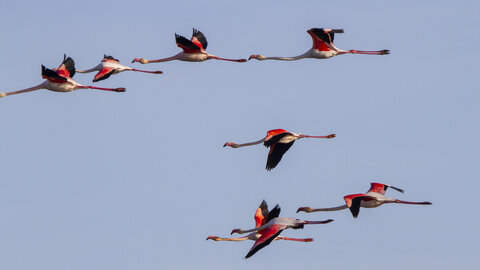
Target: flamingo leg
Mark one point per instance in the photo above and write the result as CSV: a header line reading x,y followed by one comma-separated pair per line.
x,y
216,238
406,202
382,52
294,239
319,137
120,89
225,59
319,222
154,72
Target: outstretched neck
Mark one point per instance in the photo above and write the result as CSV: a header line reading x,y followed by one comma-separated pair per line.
x,y
175,57
99,67
236,145
293,58
40,86
330,208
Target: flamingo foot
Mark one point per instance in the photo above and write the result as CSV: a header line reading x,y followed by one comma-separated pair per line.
x,y
2,95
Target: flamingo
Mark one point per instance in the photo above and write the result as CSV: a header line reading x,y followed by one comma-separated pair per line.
x,y
60,80
322,47
262,216
109,66
271,230
193,50
373,198
279,141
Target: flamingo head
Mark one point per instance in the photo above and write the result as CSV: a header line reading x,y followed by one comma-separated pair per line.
x,y
331,136
305,209
385,52
236,231
257,56
212,237
231,144
140,60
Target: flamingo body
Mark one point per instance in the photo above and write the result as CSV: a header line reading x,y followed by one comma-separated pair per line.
x,y
193,50
262,216
271,230
322,47
279,141
109,66
374,197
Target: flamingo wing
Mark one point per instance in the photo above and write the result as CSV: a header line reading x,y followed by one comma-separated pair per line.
x,y
274,213
354,201
67,68
261,214
272,138
187,45
110,58
382,188
323,38
265,239
276,153
52,76
104,73
199,39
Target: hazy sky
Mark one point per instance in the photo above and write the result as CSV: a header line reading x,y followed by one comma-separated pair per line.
x,y
98,180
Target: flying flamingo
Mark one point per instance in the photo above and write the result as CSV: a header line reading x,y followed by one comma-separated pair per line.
x,y
60,80
109,66
322,47
193,50
279,141
271,230
262,216
373,198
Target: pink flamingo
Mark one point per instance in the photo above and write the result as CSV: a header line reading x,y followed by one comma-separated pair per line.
x,y
322,47
109,66
193,50
60,80
373,198
262,216
272,229
279,141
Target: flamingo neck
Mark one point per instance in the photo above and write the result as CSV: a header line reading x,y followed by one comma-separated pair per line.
x,y
99,67
40,86
330,208
247,144
294,239
298,57
175,57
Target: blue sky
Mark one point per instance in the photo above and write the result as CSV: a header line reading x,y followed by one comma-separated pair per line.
x,y
138,180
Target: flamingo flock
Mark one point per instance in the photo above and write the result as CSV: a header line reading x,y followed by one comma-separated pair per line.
x,y
268,224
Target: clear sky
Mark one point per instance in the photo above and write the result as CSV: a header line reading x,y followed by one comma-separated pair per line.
x,y
137,180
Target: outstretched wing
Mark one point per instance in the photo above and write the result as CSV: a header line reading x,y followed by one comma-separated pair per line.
x,y
67,68
353,202
276,153
265,239
323,38
104,73
382,188
261,214
187,45
110,58
52,76
274,213
199,39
